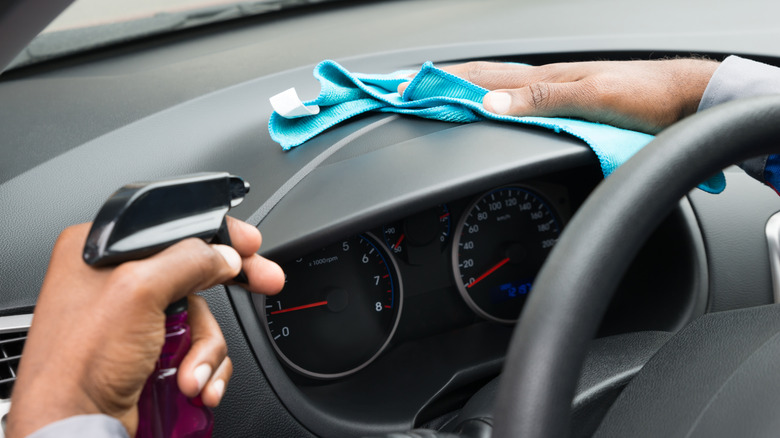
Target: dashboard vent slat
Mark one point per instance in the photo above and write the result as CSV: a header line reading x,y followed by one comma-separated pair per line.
x,y
10,358
11,345
22,337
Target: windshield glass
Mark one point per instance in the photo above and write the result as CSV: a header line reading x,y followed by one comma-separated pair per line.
x,y
92,24
89,13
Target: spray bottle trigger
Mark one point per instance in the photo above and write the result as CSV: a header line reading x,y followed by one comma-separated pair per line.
x,y
223,237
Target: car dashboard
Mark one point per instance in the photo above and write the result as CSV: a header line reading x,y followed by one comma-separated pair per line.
x,y
386,225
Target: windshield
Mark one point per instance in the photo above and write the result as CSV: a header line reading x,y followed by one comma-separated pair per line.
x,y
89,13
92,24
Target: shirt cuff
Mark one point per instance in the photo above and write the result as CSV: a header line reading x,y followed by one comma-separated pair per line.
x,y
97,425
738,78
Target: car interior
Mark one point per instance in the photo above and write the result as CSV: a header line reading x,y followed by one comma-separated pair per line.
x,y
407,281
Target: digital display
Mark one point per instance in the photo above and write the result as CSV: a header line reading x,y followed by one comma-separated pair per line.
x,y
508,291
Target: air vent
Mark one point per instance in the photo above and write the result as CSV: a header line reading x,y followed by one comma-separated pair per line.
x,y
11,345
13,333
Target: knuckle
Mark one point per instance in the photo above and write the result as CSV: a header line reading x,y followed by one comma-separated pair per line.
x,y
194,246
216,346
72,236
222,348
595,89
210,336
475,70
69,233
128,277
546,71
131,283
204,261
551,72
197,302
228,368
219,343
606,94
540,94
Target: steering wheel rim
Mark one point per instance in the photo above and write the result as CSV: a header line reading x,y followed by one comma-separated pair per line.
x,y
576,283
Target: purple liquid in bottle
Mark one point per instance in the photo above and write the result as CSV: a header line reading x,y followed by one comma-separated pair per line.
x,y
163,411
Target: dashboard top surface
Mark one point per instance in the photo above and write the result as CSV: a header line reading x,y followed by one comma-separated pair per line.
x,y
155,74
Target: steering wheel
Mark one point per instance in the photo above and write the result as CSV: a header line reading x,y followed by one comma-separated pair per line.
x,y
575,285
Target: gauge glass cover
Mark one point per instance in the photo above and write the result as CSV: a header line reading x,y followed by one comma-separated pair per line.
x,y
338,310
499,246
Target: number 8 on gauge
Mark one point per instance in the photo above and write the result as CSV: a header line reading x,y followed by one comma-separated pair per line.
x,y
338,310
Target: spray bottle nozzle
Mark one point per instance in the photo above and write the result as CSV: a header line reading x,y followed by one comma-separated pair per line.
x,y
144,218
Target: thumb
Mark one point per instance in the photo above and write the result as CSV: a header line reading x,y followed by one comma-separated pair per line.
x,y
188,266
539,99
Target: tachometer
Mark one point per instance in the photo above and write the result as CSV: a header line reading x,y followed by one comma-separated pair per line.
x,y
338,310
499,246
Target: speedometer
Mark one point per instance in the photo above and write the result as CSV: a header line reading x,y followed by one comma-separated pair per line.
x,y
500,244
338,310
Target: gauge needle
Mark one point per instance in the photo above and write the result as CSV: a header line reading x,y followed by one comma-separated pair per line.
x,y
400,239
305,306
488,272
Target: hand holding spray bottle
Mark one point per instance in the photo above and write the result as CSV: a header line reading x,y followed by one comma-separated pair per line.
x,y
138,221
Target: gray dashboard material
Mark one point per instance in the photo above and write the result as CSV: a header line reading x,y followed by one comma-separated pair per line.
x,y
732,225
487,154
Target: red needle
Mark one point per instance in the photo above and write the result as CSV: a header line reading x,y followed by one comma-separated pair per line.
x,y
305,306
489,271
400,239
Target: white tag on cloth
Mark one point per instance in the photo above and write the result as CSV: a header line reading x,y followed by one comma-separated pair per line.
x,y
288,105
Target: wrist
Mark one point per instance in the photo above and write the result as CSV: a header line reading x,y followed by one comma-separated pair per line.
x,y
43,402
692,77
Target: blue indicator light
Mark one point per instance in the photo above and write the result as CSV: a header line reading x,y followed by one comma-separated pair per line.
x,y
508,291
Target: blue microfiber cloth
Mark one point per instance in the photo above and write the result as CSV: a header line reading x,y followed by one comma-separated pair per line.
x,y
435,94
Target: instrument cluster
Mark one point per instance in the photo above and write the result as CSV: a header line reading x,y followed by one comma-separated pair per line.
x,y
452,264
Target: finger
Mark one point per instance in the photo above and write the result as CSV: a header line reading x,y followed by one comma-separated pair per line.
x,y
187,266
215,389
501,75
208,349
245,238
265,276
484,74
490,75
573,99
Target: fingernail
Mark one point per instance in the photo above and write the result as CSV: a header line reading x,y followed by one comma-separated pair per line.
x,y
230,255
498,102
202,373
219,388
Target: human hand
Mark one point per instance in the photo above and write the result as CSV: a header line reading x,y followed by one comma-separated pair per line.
x,y
645,96
97,333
